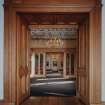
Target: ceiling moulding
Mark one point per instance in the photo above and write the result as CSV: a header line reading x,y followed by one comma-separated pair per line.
x,y
69,3
53,19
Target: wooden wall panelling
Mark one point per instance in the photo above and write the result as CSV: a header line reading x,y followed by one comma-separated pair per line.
x,y
28,66
6,57
12,55
82,71
27,57
18,98
95,56
26,75
87,59
23,45
24,57
94,45
22,60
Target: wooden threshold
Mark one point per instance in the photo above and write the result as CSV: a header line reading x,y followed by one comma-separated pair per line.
x,y
52,100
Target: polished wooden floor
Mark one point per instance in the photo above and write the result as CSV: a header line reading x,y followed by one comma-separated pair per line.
x,y
52,100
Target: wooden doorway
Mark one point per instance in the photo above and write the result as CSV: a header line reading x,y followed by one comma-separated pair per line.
x,y
92,8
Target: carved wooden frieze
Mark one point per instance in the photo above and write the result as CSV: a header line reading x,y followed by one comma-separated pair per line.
x,y
47,33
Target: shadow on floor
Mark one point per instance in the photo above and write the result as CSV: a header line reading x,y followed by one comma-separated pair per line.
x,y
53,87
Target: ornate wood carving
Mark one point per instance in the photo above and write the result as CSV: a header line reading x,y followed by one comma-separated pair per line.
x,y
22,80
64,33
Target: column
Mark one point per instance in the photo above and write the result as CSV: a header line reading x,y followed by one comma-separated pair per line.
x,y
75,64
44,64
64,65
70,64
33,65
39,64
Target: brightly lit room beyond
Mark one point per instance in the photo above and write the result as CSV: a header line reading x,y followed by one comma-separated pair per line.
x,y
53,53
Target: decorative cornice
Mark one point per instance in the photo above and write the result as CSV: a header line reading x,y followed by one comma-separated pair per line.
x,y
51,5
23,4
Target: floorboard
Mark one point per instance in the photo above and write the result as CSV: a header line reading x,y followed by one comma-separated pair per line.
x,y
52,100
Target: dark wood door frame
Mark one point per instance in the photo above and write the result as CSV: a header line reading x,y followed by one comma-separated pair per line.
x,y
94,11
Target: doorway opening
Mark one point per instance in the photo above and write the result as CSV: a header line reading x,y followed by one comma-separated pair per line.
x,y
55,50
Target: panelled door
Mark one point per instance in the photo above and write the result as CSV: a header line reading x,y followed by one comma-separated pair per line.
x,y
23,67
83,63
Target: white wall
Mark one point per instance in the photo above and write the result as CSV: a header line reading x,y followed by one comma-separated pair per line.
x,y
1,48
103,51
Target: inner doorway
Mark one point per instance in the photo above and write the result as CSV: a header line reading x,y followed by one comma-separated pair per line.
x,y
53,60
54,38
54,65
